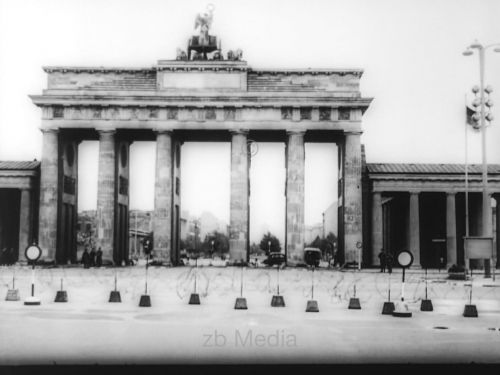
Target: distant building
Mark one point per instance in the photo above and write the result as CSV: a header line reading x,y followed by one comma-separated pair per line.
x,y
330,219
19,199
210,223
313,231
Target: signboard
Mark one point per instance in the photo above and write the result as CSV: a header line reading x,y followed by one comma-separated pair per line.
x,y
405,259
478,247
33,253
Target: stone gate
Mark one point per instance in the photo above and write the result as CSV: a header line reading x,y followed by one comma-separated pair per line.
x,y
200,97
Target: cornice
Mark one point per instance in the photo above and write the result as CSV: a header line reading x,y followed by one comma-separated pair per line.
x,y
341,72
202,66
100,69
202,101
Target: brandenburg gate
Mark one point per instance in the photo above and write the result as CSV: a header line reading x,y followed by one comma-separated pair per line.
x,y
200,96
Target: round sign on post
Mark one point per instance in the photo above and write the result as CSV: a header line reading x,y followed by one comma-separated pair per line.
x,y
32,253
405,260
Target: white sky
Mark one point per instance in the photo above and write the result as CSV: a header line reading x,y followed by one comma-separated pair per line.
x,y
411,52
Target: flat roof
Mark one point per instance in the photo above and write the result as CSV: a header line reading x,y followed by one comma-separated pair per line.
x,y
423,168
19,165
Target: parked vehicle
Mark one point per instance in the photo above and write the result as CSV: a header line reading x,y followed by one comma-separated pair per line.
x,y
312,256
275,258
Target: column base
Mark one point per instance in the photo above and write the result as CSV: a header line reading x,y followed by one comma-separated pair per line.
x,y
295,263
237,252
46,261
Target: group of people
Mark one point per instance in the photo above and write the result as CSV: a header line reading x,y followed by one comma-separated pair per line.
x,y
386,261
92,259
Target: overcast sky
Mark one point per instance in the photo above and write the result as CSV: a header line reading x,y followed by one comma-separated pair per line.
x,y
411,53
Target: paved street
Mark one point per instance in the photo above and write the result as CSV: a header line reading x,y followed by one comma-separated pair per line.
x,y
87,329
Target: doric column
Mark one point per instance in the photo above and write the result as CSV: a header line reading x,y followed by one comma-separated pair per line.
x,y
106,194
162,217
414,242
376,227
25,226
353,227
497,222
295,167
47,235
451,230
238,232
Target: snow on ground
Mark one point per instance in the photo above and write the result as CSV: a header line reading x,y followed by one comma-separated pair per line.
x,y
87,329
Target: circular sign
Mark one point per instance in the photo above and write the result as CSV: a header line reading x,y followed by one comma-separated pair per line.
x,y
33,253
359,244
405,259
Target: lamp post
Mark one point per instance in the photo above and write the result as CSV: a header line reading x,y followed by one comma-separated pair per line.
x,y
486,211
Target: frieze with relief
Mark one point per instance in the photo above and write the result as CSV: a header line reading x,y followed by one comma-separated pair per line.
x,y
209,113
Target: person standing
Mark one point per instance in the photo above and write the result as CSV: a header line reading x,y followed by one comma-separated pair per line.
x,y
382,258
92,257
98,261
86,258
389,260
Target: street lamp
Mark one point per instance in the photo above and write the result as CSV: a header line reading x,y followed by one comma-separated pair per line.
x,y
486,212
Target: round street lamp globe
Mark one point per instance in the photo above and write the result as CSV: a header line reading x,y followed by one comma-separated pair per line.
x,y
475,89
489,89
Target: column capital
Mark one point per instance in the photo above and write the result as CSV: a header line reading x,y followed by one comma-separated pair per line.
x,y
163,131
414,192
50,130
296,132
353,132
105,131
239,131
451,193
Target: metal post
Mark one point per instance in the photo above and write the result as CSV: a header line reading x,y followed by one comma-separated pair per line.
x,y
33,280
195,273
147,274
312,285
403,286
278,280
241,283
486,212
425,283
466,184
135,242
389,290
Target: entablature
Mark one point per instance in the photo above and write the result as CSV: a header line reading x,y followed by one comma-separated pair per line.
x,y
436,185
